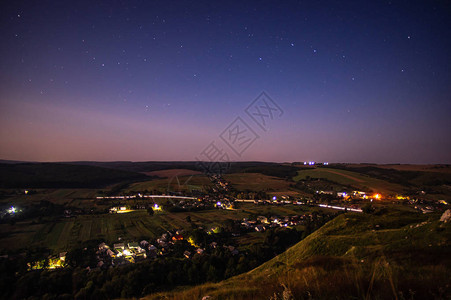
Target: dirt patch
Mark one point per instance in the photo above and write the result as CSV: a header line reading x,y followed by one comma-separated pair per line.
x,y
345,175
172,173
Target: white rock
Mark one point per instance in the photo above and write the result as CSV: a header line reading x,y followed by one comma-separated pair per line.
x,y
446,216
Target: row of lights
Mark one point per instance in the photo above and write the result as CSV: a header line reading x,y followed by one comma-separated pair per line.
x,y
312,163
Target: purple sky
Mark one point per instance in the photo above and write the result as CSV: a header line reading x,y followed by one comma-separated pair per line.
x,y
161,80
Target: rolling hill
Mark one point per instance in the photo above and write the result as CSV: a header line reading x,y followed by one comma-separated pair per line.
x,y
387,255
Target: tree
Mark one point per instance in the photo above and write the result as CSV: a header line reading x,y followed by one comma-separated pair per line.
x,y
368,208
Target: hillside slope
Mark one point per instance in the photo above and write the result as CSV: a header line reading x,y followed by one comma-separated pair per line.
x,y
393,255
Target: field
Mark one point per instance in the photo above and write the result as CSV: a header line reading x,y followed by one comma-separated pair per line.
x,y
172,184
68,233
415,168
134,226
57,196
260,183
137,225
354,179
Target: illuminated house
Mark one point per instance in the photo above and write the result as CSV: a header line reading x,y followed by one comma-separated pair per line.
x,y
120,246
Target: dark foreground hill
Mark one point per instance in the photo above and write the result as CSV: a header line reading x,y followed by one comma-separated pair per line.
x,y
396,255
56,175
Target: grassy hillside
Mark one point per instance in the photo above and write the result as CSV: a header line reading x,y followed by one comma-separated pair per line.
x,y
355,179
174,184
396,255
257,182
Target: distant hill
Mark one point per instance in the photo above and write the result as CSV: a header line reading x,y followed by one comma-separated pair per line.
x,y
58,175
406,175
392,255
266,168
5,161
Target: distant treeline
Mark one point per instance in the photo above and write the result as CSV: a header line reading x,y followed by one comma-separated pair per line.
x,y
57,175
147,166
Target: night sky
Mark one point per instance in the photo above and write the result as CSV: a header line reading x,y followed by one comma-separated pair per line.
x,y
161,80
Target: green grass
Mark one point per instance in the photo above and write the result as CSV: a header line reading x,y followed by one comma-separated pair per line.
x,y
67,233
57,196
175,184
258,182
355,179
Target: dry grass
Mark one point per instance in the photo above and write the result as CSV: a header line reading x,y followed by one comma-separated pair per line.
x,y
347,259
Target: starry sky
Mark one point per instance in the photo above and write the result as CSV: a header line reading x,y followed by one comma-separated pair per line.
x,y
355,81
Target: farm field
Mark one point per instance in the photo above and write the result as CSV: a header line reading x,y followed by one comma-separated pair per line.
x,y
354,179
68,233
57,196
175,184
258,182
136,225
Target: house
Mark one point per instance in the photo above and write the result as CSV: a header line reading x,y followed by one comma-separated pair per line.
x,y
162,243
259,228
262,219
103,246
110,253
118,246
133,245
325,192
187,254
63,256
177,237
200,251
